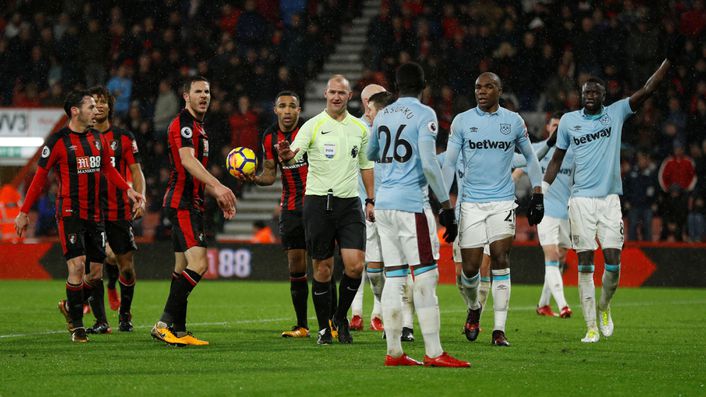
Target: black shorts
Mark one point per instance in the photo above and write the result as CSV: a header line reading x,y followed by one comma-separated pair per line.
x,y
120,236
187,229
81,237
291,230
344,225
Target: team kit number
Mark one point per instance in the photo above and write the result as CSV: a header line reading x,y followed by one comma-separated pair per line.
x,y
402,149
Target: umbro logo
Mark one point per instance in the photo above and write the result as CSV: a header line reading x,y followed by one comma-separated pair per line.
x,y
577,128
474,129
325,132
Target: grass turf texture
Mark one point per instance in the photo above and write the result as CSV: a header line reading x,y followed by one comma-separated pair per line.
x,y
658,348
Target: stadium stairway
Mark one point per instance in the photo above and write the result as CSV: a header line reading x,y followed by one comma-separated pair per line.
x,y
256,203
346,59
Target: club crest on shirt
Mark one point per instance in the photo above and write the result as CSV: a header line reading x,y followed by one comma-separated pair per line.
x,y
505,128
605,119
114,145
46,152
354,151
187,133
97,144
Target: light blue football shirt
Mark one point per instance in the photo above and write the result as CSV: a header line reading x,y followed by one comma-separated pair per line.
x,y
556,200
403,139
595,140
376,170
486,142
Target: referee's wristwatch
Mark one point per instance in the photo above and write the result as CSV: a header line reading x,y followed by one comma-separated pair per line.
x,y
370,201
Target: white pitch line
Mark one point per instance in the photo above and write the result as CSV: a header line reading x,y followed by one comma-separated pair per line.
x,y
272,320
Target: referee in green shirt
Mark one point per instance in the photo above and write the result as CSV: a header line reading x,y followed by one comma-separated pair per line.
x,y
335,143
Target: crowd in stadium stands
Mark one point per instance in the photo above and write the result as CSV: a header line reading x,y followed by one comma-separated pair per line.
x,y
542,50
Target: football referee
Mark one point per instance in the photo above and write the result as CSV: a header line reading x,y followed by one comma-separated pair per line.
x,y
335,143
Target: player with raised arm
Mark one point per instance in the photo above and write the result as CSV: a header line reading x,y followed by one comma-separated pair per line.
x,y
188,181
79,156
487,136
124,155
404,138
594,134
291,227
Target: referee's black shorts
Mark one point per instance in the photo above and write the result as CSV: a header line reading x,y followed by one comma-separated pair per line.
x,y
344,225
291,230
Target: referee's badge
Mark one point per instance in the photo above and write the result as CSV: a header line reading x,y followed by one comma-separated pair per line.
x,y
329,150
505,128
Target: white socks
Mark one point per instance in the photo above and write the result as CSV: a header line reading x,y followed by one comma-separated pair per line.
x,y
357,304
408,303
553,284
501,297
377,283
587,295
483,291
427,306
470,289
611,278
392,313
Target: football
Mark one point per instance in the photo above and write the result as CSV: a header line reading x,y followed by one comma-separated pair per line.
x,y
241,160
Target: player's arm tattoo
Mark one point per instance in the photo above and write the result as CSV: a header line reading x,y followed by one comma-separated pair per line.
x,y
268,175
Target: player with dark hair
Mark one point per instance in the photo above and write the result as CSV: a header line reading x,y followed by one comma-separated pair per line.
x,y
184,202
291,227
593,134
79,156
124,156
404,137
487,136
554,229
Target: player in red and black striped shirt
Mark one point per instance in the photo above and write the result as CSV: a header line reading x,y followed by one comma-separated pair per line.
x,y
78,154
291,227
188,181
117,214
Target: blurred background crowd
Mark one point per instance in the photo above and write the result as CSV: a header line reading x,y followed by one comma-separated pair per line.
x,y
252,49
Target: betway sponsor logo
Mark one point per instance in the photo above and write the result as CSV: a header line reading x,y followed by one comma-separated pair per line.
x,y
564,171
604,133
488,144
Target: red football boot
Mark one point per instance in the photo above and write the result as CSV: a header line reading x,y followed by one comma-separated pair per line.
x,y
401,361
113,299
376,324
445,360
356,323
546,311
565,312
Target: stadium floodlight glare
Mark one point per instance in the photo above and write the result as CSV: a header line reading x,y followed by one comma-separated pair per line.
x,y
32,141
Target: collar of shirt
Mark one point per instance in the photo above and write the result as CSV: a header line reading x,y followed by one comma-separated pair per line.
x,y
592,116
482,113
345,121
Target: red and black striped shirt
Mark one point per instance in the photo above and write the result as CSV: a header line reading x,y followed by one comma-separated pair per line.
x,y
122,148
183,190
77,159
293,176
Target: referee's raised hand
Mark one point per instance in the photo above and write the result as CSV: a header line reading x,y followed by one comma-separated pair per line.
x,y
284,152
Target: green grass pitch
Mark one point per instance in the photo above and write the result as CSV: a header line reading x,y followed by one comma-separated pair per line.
x,y
658,348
